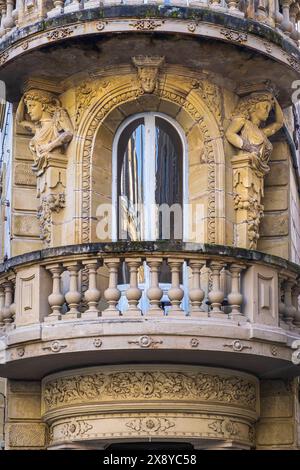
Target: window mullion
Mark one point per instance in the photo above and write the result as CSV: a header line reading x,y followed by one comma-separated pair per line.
x,y
149,178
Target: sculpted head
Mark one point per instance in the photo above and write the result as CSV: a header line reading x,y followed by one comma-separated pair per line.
x,y
40,103
256,107
148,77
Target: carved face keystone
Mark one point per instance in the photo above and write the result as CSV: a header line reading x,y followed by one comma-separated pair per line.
x,y
148,77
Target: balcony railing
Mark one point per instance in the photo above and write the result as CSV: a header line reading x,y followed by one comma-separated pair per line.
x,y
280,14
149,280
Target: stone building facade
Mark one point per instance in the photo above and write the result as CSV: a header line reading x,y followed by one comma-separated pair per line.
x,y
113,329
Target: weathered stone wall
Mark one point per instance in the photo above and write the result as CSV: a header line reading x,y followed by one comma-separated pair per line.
x,y
278,427
25,231
24,429
275,229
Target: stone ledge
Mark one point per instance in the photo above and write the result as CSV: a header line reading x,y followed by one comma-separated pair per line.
x,y
148,248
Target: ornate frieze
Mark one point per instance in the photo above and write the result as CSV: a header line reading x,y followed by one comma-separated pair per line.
x,y
149,385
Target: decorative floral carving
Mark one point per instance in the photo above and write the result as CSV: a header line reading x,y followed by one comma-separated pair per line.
x,y
149,385
293,62
237,345
146,25
76,428
255,211
296,353
232,35
3,57
210,93
274,350
268,46
148,68
192,26
226,427
56,346
49,204
85,94
146,341
59,33
150,425
101,25
97,343
21,351
194,342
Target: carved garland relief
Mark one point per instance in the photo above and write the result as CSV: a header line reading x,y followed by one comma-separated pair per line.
x,y
149,385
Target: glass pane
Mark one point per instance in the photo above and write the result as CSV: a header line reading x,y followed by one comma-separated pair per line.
x,y
131,150
168,190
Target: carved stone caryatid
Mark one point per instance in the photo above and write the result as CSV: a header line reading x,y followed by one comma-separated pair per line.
x,y
148,68
246,133
41,113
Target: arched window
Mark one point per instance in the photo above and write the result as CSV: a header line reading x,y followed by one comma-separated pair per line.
x,y
149,187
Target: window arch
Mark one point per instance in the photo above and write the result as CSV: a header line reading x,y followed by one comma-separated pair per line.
x,y
149,179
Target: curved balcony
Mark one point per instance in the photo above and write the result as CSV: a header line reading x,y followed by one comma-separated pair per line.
x,y
174,298
283,15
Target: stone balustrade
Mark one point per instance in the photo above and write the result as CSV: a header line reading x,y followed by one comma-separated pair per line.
x,y
150,281
283,15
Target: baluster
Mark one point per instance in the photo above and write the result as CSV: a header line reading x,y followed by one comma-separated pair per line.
x,y
262,11
56,298
196,294
73,6
112,293
18,12
3,15
286,25
154,293
278,17
133,294
92,295
9,23
175,293
2,303
235,298
6,312
281,304
58,8
73,296
295,301
290,310
216,295
216,4
294,12
233,7
271,12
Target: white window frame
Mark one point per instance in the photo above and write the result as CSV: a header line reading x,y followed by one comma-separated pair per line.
x,y
149,161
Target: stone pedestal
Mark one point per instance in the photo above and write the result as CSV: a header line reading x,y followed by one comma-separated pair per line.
x,y
248,184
